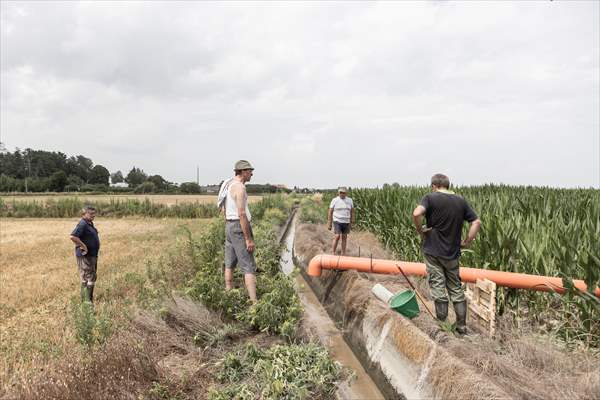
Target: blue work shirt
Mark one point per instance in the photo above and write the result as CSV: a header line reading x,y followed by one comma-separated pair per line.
x,y
88,234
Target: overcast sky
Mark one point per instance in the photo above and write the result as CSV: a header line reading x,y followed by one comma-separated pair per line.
x,y
313,94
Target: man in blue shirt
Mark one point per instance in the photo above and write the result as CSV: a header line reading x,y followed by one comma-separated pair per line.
x,y
87,246
445,212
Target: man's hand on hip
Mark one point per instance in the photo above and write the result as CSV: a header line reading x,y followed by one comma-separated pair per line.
x,y
250,245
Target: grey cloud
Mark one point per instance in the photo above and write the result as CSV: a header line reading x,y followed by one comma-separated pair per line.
x,y
313,93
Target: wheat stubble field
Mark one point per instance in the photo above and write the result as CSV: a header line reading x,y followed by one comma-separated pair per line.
x,y
38,279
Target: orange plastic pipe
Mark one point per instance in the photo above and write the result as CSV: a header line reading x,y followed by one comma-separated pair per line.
x,y
390,267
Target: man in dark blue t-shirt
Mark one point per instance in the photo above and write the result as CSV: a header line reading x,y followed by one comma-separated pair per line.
x,y
87,246
445,213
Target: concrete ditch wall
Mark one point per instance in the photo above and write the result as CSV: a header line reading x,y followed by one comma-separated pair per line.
x,y
402,360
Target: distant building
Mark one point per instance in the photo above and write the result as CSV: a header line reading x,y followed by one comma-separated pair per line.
x,y
212,189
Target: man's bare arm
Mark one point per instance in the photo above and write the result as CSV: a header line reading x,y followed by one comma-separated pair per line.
x,y
329,218
417,215
473,230
239,194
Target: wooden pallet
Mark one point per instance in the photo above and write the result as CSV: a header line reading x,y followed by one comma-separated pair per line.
x,y
481,298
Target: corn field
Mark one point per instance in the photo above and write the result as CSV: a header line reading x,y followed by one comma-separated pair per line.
x,y
533,230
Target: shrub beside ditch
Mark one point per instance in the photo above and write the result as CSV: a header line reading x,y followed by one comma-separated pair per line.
x,y
288,371
278,309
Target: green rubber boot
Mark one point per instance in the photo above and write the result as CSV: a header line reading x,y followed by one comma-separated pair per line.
x,y
441,310
91,293
460,309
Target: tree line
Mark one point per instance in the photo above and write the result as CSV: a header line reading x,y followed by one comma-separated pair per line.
x,y
49,171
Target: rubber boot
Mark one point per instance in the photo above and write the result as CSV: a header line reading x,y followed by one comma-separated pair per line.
x,y
441,310
86,292
460,309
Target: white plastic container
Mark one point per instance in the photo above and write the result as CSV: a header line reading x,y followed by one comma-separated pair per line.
x,y
382,293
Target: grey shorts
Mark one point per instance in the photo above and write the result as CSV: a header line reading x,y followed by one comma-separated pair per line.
x,y
87,269
235,248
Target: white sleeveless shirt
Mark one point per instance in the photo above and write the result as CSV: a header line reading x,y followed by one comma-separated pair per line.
x,y
231,212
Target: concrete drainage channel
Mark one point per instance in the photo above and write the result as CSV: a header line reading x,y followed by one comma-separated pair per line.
x,y
360,386
390,356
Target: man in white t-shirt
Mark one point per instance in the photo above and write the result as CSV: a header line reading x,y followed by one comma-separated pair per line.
x,y
341,214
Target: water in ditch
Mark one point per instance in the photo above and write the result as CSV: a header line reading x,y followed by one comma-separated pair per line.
x,y
361,386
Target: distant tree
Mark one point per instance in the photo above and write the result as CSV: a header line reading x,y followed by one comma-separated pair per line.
x,y
146,187
80,166
99,175
117,177
72,188
38,184
10,184
58,181
12,164
41,163
160,183
190,187
135,177
74,180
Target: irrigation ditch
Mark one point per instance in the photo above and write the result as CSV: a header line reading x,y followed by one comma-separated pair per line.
x,y
418,358
391,357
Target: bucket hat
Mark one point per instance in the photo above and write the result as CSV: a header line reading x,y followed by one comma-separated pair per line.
x,y
242,164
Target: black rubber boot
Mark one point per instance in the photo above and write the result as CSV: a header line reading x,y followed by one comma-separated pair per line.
x,y
441,310
460,309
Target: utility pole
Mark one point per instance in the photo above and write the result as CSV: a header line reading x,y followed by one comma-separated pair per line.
x,y
198,175
28,167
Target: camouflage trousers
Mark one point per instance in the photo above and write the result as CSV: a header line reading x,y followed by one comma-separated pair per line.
x,y
443,275
87,270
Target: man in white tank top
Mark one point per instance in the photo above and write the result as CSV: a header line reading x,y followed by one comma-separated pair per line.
x,y
239,240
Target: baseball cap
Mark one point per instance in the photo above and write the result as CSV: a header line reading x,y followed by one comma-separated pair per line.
x,y
342,189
